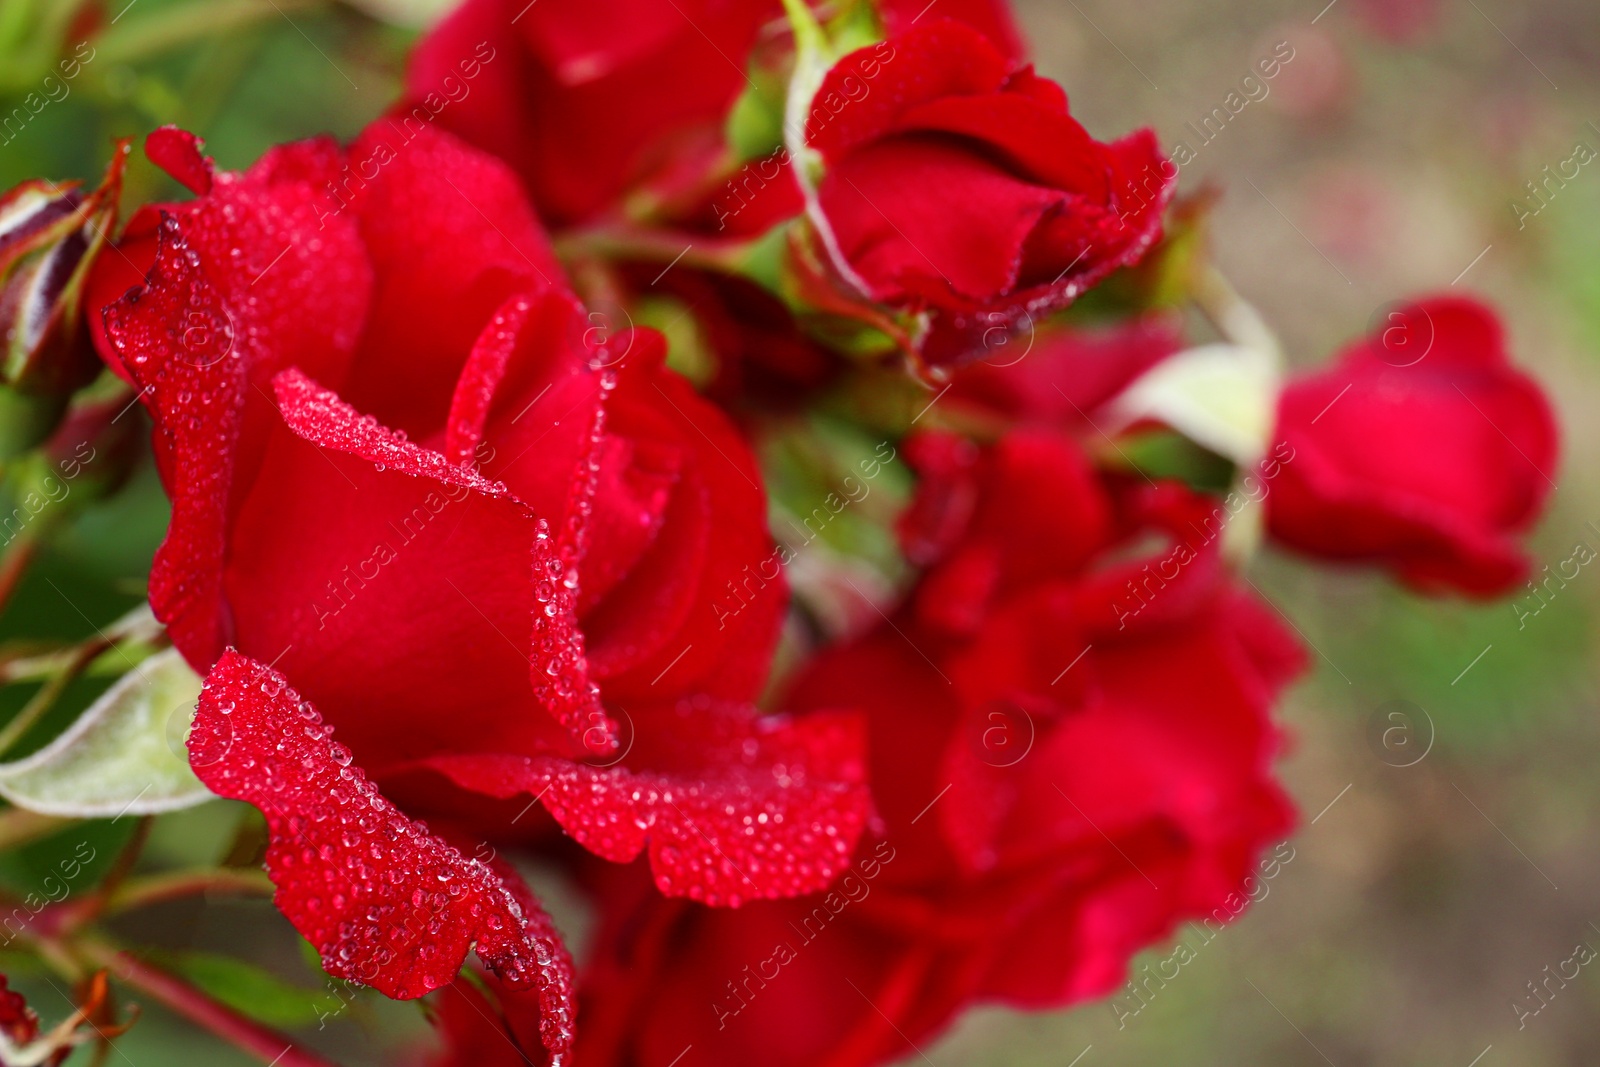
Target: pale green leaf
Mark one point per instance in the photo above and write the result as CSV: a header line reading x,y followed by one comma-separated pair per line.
x,y
124,755
1221,396
418,13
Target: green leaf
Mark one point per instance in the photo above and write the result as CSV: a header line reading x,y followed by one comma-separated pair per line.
x,y
257,993
124,755
1162,453
689,350
755,123
79,856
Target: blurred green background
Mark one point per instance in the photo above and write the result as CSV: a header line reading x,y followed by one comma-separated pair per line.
x,y
1383,161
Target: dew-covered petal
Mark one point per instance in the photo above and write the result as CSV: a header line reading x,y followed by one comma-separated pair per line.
x,y
175,338
732,805
359,550
385,902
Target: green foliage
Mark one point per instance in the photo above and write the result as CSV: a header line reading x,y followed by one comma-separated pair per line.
x,y
255,992
123,756
78,856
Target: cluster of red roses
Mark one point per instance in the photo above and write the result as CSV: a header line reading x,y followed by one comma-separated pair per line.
x,y
447,545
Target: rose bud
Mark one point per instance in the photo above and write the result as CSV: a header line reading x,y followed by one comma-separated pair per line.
x,y
1422,449
50,234
956,186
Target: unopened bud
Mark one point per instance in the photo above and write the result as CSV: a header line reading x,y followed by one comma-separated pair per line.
x,y
50,234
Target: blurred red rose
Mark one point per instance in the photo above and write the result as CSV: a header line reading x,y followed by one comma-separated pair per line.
x,y
1060,788
1421,449
585,99
1400,22
958,182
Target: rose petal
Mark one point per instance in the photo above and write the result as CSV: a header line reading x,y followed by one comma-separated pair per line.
x,y
178,153
175,338
357,547
383,901
452,236
939,58
878,196
289,267
992,18
732,805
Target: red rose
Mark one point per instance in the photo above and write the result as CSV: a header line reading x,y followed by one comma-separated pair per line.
x,y
586,98
957,182
1421,449
1058,791
480,536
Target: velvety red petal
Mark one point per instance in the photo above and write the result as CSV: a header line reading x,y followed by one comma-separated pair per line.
x,y
676,513
357,550
921,218
912,711
559,666
524,407
1063,378
1026,81
384,902
992,18
700,613
1458,331
1190,734
584,41
937,58
582,105
1037,511
1422,448
290,270
482,375
1035,142
732,805
178,153
175,338
1190,804
801,983
1090,236
478,1031
452,236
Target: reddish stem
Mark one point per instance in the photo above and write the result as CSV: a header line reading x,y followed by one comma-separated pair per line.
x,y
268,1046
14,564
174,885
